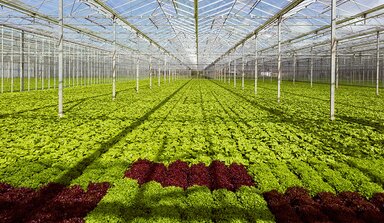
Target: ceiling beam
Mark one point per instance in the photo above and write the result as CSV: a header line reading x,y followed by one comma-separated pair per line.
x,y
196,6
46,18
274,18
118,16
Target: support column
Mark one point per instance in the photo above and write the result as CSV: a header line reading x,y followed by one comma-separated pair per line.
x,y
165,69
229,71
12,59
137,73
234,74
78,69
256,65
214,73
29,65
278,59
49,64
242,68
2,59
150,72
311,67
169,75
337,72
114,61
333,60
158,74
82,68
377,63
21,75
42,64
35,70
61,59
262,62
222,70
294,68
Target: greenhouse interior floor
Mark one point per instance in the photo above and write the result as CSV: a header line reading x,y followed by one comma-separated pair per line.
x,y
193,150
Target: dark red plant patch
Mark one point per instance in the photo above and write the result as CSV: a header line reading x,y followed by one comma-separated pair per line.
x,y
179,174
334,207
280,207
378,201
199,175
362,207
307,209
157,173
140,171
51,203
220,175
240,176
296,205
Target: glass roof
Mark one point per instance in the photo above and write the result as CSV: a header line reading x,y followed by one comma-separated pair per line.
x,y
199,33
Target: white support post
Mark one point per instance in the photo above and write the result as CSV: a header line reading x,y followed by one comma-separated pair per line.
x,y
137,73
42,64
222,70
12,60
234,74
311,67
377,63
61,59
214,72
256,65
88,80
165,69
21,69
70,73
114,61
242,67
54,65
98,67
78,70
294,68
263,68
36,64
229,71
333,60
169,75
29,66
90,66
158,74
82,67
49,65
279,59
94,66
2,59
337,72
150,72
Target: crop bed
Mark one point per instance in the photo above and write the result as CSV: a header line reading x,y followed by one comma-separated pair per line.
x,y
51,203
179,174
196,125
296,205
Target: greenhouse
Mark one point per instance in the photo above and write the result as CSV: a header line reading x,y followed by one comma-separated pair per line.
x,y
192,111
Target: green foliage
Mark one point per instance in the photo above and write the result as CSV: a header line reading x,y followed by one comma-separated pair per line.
x,y
290,144
362,183
310,178
333,177
254,205
265,179
200,204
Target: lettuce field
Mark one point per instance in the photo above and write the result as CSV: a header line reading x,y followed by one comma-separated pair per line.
x,y
192,151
